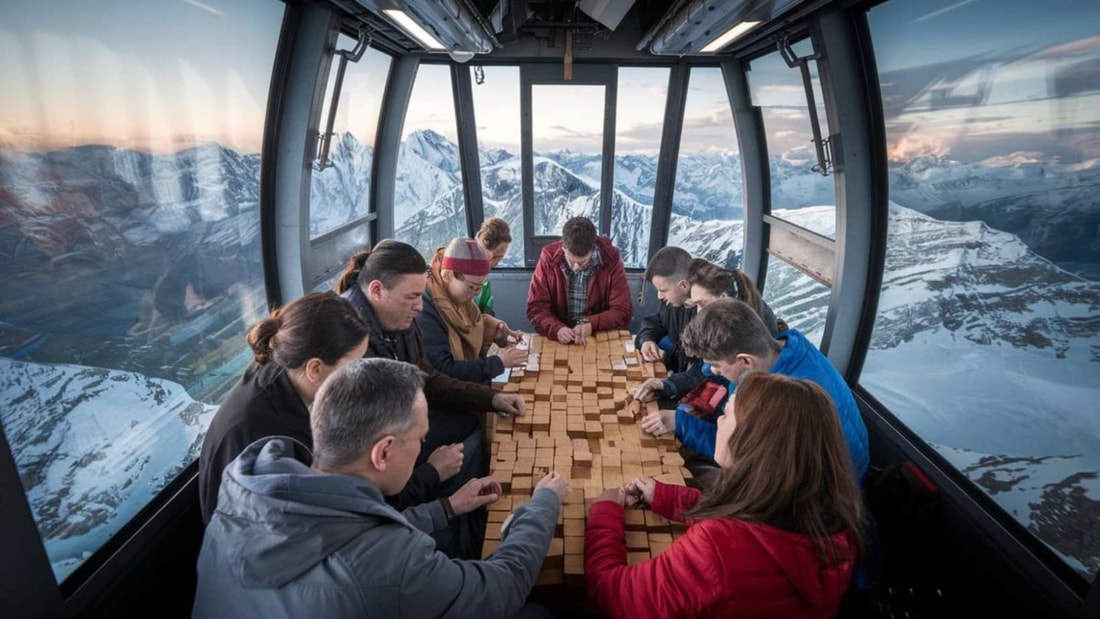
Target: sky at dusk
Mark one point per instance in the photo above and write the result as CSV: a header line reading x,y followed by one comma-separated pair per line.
x,y
160,76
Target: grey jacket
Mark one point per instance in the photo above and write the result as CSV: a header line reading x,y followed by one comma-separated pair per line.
x,y
286,541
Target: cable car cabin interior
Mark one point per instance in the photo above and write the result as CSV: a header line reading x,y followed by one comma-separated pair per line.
x,y
912,184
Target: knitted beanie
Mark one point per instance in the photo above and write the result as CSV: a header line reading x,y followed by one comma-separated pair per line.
x,y
465,256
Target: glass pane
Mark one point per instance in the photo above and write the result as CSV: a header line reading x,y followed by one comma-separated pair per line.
x,y
429,206
341,192
796,298
707,201
639,118
779,92
987,339
496,108
129,186
567,141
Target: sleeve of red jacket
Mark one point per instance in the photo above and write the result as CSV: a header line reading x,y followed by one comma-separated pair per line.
x,y
682,581
620,309
671,501
539,301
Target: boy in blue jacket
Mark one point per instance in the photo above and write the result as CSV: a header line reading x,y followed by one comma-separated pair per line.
x,y
730,337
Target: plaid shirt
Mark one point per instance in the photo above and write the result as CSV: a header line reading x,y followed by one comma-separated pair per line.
x,y
577,292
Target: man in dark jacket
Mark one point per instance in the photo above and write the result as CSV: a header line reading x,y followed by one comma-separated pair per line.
x,y
289,540
658,338
579,286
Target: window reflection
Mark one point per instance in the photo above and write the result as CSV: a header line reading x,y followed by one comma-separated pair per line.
x,y
340,193
129,183
781,95
707,201
496,109
429,205
987,341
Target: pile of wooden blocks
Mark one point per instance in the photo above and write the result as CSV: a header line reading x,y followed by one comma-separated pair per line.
x,y
582,422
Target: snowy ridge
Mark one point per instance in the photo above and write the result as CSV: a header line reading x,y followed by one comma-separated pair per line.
x,y
65,422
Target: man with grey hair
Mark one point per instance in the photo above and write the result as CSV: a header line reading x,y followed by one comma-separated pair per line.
x,y
290,540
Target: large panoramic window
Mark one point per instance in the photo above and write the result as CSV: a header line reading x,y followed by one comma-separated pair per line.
x,y
496,110
639,118
707,203
340,192
129,191
987,340
567,140
781,95
429,205
797,299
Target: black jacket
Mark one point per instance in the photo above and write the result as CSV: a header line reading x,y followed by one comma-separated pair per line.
x,y
437,345
265,403
441,391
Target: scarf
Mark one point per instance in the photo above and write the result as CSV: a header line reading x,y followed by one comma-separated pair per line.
x,y
468,331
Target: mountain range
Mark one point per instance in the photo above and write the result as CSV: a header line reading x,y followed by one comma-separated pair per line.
x,y
150,265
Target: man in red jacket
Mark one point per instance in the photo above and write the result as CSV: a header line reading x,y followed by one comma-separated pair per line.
x,y
579,286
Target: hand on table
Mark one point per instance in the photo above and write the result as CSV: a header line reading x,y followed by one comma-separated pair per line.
x,y
509,404
447,460
554,481
650,351
566,335
511,356
475,493
640,491
582,332
660,422
649,390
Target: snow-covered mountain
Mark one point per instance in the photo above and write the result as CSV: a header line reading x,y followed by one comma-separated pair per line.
x,y
93,447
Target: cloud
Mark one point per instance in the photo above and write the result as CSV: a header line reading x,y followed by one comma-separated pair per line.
x,y
939,12
205,7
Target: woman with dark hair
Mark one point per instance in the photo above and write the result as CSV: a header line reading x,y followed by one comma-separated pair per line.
x,y
710,282
457,336
495,237
294,351
776,533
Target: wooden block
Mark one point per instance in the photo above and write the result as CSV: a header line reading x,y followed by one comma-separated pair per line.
x,y
488,548
575,546
637,540
635,520
573,527
574,565
634,558
549,577
656,548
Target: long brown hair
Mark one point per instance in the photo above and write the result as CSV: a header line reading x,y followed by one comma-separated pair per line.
x,y
789,465
717,281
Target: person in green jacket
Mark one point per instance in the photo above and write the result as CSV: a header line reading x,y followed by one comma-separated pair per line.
x,y
494,237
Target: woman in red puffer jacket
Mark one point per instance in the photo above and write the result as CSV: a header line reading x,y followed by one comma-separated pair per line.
x,y
776,534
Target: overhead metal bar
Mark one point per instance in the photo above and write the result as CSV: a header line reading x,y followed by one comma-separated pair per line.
x,y
669,156
346,56
468,153
804,249
755,172
387,140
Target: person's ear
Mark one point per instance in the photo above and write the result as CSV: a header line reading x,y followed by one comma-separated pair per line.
x,y
684,285
374,290
746,362
382,452
314,369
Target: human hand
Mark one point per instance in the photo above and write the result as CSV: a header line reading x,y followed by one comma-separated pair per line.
x,y
640,491
582,332
660,422
614,495
650,351
447,460
649,390
475,493
509,404
565,335
511,356
554,481
509,336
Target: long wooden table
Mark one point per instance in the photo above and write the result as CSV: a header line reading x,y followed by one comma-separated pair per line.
x,y
582,421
